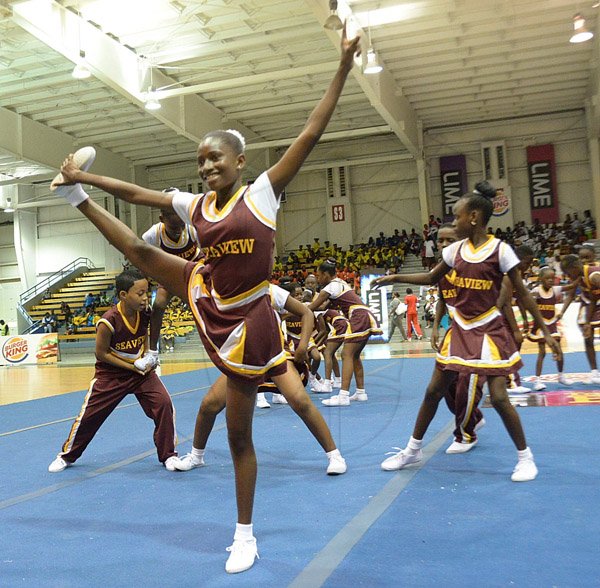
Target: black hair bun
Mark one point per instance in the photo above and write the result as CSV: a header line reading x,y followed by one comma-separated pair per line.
x,y
485,189
331,261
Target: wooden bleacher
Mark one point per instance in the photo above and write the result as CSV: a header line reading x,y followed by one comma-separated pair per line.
x,y
74,293
96,282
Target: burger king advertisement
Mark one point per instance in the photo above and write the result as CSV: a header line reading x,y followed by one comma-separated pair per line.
x,y
29,349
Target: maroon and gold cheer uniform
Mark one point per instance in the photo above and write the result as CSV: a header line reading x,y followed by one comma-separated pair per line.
x,y
228,291
111,384
279,298
546,301
478,340
587,289
338,324
186,246
362,322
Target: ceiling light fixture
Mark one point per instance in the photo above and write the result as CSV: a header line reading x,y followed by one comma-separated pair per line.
x,y
333,22
151,101
581,33
372,66
9,207
81,71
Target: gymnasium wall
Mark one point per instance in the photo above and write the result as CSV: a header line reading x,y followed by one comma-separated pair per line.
x,y
381,182
567,132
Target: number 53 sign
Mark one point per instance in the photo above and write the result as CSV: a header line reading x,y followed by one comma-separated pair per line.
x,y
338,213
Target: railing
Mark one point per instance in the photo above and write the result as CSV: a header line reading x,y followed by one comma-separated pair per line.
x,y
54,278
33,327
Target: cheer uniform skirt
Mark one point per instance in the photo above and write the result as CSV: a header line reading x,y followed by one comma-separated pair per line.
x,y
486,350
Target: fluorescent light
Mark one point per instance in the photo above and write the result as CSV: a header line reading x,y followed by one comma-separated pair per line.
x,y
383,16
126,19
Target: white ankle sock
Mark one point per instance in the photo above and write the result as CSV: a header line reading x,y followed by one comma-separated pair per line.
x,y
360,390
414,444
152,352
243,532
76,195
334,453
344,393
525,454
199,453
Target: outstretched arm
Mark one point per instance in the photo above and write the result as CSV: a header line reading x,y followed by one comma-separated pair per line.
x,y
123,190
287,167
423,279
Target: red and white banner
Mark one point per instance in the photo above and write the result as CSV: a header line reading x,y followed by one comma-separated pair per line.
x,y
29,349
543,196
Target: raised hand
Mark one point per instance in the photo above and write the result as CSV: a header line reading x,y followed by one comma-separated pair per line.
x,y
350,48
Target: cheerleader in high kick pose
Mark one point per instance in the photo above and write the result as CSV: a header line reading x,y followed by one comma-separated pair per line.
x,y
228,291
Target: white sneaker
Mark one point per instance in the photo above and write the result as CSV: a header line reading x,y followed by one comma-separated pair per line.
x,y
480,424
337,465
359,397
148,360
58,465
562,379
595,379
188,462
539,386
519,390
460,447
321,386
261,401
173,464
401,459
242,555
337,400
279,399
524,471
83,159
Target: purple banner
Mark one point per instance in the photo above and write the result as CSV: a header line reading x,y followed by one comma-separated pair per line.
x,y
453,177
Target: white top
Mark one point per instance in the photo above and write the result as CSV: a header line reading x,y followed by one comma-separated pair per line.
x,y
336,288
260,199
507,257
279,297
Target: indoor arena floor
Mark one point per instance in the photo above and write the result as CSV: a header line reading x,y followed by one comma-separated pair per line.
x,y
118,518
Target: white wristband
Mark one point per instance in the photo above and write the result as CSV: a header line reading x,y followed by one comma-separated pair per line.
x,y
76,195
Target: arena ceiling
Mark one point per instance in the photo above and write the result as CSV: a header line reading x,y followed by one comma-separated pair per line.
x,y
261,65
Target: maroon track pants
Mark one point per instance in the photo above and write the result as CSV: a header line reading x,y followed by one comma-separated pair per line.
x,y
104,395
462,399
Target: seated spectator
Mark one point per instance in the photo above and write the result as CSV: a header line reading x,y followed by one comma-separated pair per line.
x,y
47,322
89,301
66,311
